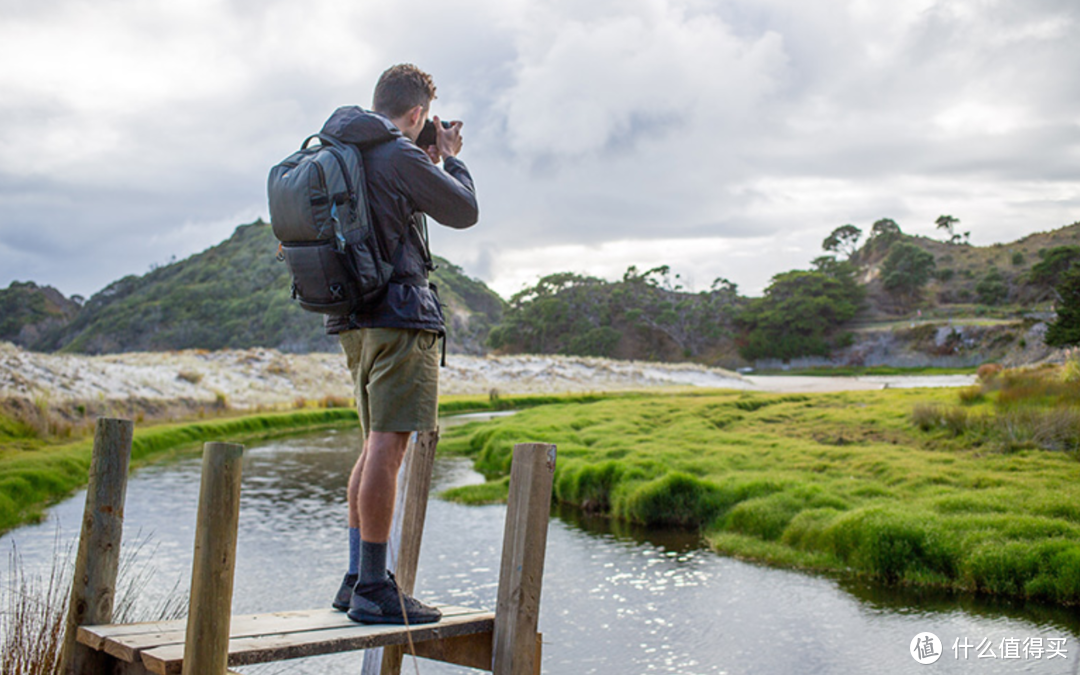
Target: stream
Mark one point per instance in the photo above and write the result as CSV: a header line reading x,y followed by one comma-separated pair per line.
x,y
616,599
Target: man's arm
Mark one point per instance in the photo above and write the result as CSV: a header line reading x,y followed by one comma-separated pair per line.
x,y
447,195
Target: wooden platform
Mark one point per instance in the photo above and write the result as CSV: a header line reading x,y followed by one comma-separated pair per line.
x,y
158,647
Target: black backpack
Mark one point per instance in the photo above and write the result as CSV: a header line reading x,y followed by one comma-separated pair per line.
x,y
319,212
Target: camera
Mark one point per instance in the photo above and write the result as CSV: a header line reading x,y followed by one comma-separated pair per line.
x,y
427,134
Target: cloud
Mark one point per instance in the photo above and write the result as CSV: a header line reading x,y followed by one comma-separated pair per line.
x,y
721,138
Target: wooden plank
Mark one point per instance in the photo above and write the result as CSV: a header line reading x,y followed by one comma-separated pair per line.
x,y
521,573
168,659
471,651
93,586
207,636
127,641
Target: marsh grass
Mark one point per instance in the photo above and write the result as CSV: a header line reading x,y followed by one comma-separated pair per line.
x,y
35,606
35,473
30,480
1011,410
838,482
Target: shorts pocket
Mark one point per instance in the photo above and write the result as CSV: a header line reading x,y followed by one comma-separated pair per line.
x,y
427,340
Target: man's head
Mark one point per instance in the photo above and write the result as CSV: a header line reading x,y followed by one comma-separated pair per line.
x,y
404,94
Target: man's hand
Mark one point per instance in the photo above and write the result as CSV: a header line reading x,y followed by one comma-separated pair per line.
x,y
448,141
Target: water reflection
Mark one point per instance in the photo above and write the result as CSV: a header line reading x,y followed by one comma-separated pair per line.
x,y
617,598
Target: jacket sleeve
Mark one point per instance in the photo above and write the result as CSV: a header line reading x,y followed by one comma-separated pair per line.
x,y
447,195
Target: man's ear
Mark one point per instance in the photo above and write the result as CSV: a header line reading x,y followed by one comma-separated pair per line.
x,y
416,114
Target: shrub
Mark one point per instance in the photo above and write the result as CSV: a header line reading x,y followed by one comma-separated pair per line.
x,y
190,376
992,289
971,395
331,401
988,371
929,416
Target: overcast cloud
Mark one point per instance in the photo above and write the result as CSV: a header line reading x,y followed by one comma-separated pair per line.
x,y
722,138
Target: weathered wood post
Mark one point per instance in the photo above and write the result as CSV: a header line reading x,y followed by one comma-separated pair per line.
x,y
93,587
410,510
521,573
206,645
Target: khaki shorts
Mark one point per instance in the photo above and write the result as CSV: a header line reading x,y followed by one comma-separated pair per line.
x,y
395,375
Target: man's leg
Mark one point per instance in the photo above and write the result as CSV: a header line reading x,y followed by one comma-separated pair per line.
x,y
375,495
344,594
377,598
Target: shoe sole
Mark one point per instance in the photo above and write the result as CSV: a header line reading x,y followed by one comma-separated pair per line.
x,y
340,608
362,617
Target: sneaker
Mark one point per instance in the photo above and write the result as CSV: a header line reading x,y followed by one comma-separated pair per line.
x,y
344,594
381,603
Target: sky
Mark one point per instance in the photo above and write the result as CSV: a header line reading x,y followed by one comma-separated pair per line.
x,y
722,138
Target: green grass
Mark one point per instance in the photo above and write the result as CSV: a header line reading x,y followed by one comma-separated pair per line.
x,y
841,482
37,471
30,480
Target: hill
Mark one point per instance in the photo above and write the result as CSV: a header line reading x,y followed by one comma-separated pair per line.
x,y
28,311
969,280
964,305
234,296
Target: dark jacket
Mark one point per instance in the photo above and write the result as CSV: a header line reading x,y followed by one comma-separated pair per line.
x,y
402,186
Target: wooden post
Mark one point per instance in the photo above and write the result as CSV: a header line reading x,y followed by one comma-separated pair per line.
x,y
522,570
206,646
410,510
93,587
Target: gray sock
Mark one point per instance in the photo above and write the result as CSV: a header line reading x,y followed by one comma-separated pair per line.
x,y
372,562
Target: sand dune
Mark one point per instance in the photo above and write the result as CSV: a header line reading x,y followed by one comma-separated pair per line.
x,y
252,377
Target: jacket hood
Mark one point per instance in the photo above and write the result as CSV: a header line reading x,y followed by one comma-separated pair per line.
x,y
353,124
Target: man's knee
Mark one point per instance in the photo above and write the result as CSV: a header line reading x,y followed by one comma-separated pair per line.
x,y
383,446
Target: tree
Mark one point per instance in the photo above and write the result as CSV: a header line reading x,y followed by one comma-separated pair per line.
x,y
992,288
1050,271
906,270
799,315
570,314
1065,331
885,227
883,233
844,239
948,223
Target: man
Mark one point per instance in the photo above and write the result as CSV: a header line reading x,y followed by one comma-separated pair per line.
x,y
391,349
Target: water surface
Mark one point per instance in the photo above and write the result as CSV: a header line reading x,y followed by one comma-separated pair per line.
x,y
616,599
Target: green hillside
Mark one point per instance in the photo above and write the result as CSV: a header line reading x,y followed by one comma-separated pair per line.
x,y
236,295
27,311
1002,278
888,281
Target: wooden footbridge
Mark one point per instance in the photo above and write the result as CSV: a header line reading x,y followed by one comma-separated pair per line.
x,y
211,640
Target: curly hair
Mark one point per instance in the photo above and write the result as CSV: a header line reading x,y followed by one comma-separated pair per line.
x,y
401,88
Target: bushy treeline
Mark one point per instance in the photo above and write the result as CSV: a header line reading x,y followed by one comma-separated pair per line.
x,y
648,315
643,315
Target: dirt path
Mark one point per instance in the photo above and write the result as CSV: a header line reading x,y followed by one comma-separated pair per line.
x,y
805,384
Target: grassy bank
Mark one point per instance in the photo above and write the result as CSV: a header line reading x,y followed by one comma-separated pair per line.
x,y
30,480
37,468
845,482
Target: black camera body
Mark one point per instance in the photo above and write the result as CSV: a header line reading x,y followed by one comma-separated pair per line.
x,y
427,134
